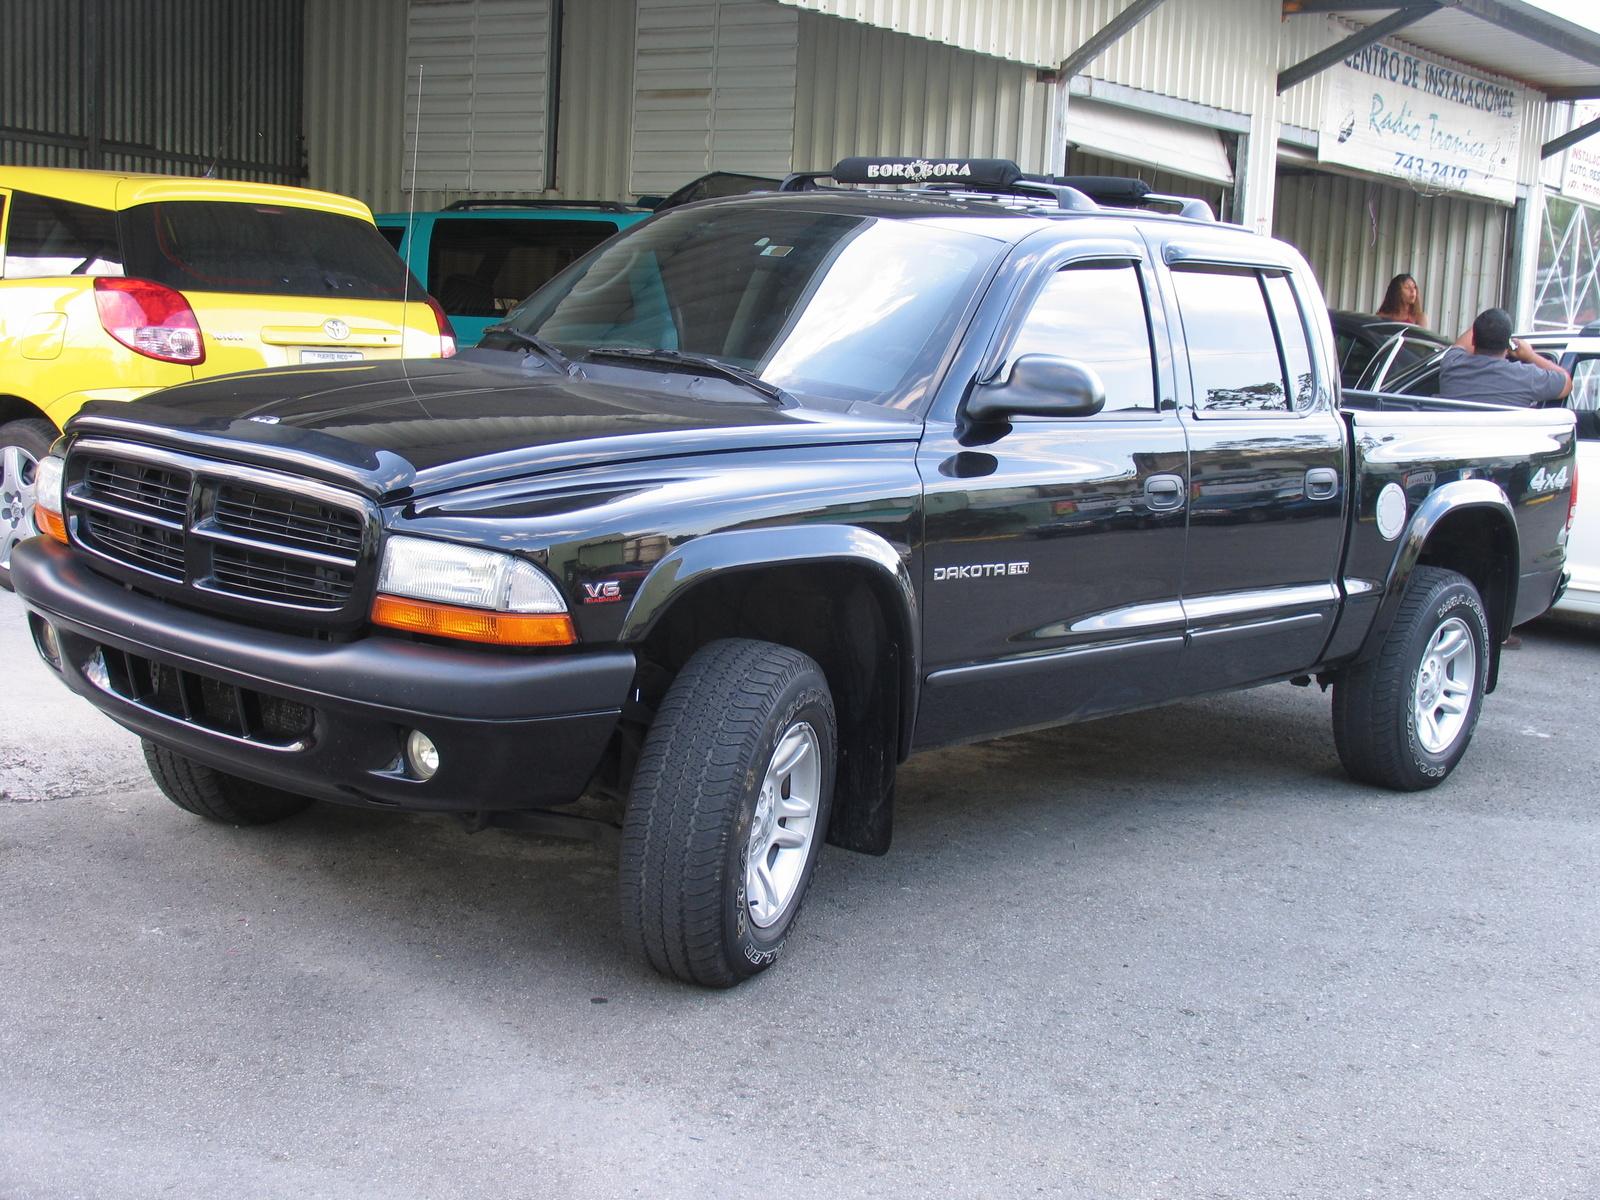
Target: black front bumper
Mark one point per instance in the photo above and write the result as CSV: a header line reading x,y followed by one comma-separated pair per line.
x,y
327,719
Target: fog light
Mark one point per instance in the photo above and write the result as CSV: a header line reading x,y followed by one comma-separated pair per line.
x,y
422,756
48,642
96,671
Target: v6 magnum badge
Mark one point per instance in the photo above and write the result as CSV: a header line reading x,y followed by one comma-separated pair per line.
x,y
979,571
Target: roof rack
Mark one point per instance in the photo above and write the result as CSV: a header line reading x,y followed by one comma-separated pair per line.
x,y
991,178
611,206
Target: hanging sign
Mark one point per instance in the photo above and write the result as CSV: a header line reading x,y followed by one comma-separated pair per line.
x,y
1582,180
1400,112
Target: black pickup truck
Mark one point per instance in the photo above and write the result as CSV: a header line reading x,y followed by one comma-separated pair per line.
x,y
767,494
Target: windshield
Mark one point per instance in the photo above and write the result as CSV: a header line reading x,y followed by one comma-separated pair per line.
x,y
842,306
260,249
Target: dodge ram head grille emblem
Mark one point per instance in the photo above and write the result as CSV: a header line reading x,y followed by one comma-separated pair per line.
x,y
336,329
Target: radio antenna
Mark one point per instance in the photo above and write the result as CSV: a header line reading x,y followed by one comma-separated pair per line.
x,y
411,233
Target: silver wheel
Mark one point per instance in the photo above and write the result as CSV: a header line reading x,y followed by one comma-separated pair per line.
x,y
1442,698
783,826
17,471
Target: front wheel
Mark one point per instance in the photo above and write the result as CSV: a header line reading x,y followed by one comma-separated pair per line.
x,y
22,444
1403,719
728,811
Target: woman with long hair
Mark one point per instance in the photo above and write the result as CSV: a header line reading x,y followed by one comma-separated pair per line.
x,y
1402,301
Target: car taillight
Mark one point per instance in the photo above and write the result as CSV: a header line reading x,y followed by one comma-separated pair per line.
x,y
447,331
1572,504
149,319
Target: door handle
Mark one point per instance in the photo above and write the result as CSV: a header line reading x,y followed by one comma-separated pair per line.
x,y
1164,493
1322,483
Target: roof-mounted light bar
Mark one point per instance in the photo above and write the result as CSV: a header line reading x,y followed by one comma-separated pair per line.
x,y
984,178
975,173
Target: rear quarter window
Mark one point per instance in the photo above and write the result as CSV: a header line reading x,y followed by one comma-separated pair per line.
x,y
49,238
260,249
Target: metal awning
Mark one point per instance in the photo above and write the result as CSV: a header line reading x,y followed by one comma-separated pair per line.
x,y
1504,37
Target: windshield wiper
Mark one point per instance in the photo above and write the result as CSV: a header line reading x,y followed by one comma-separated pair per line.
x,y
534,342
704,363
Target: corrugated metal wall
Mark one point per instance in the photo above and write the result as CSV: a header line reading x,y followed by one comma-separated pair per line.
x,y
714,90
171,86
868,91
355,101
1357,234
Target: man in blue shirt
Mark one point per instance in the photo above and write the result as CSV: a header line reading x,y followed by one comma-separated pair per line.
x,y
1487,363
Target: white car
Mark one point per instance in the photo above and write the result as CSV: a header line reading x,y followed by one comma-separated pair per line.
x,y
1579,353
1581,356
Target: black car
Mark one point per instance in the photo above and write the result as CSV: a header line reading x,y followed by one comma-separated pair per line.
x,y
1371,348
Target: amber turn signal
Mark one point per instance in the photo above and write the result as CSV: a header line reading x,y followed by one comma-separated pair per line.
x,y
473,624
50,523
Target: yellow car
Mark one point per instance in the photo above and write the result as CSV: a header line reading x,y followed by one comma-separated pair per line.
x,y
113,285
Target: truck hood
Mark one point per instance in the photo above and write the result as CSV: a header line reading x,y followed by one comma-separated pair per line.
x,y
392,429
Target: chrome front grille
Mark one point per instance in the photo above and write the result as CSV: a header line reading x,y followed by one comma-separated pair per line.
x,y
276,577
140,487
288,520
145,544
224,530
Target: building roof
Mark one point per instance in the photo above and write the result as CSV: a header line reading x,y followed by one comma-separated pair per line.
x,y
1504,37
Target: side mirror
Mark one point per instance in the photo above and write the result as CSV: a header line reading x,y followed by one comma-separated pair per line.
x,y
1040,385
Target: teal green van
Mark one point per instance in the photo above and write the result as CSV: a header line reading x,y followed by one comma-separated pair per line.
x,y
481,258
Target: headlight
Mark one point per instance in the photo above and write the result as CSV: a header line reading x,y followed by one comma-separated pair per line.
x,y
462,592
47,497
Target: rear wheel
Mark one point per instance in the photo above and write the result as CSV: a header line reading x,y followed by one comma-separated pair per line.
x,y
1403,719
728,812
22,445
209,793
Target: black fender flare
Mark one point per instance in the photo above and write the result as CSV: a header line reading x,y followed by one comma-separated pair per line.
x,y
716,554
1462,495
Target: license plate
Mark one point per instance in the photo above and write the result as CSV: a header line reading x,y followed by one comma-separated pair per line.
x,y
311,356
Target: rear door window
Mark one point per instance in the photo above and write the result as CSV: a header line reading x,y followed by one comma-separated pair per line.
x,y
484,267
393,234
1234,358
1095,314
49,238
260,249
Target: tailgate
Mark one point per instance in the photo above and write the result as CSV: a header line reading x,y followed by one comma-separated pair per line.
x,y
246,333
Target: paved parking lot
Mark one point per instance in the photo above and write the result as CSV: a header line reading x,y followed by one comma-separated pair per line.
x,y
1170,955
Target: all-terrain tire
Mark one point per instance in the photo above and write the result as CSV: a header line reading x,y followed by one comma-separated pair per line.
x,y
209,793
710,790
22,444
1403,718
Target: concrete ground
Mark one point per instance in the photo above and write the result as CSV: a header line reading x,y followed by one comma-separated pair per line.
x,y
1176,954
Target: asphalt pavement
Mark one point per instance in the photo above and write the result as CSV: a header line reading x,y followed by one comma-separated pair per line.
x,y
1176,954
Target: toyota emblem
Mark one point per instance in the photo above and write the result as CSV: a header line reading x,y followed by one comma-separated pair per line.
x,y
336,329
